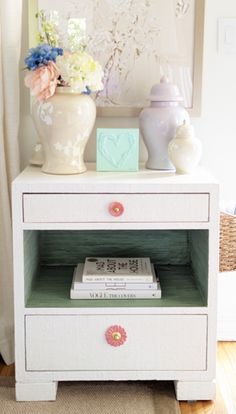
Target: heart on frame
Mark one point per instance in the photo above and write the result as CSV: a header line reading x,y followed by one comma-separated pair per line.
x,y
116,147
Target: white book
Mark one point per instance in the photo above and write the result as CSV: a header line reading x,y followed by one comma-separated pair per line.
x,y
114,294
113,269
79,284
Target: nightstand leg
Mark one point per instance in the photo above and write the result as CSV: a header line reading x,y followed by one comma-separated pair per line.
x,y
195,390
42,391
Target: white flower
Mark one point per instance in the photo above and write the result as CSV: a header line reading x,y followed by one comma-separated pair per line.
x,y
80,71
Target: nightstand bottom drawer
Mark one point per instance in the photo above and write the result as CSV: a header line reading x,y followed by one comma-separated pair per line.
x,y
133,342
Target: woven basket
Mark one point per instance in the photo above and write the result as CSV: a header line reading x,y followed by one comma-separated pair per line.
x,y
227,242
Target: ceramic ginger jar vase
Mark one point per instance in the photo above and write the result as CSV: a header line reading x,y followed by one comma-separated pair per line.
x,y
158,123
185,150
37,157
64,123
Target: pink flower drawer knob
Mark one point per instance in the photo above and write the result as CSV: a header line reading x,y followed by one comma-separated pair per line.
x,y
115,335
116,209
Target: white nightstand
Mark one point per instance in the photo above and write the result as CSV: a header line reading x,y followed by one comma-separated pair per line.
x,y
58,221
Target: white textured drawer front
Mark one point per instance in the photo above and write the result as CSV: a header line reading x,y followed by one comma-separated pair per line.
x,y
154,342
72,208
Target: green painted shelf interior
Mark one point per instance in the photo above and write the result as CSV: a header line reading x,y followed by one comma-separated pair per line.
x,y
52,289
180,258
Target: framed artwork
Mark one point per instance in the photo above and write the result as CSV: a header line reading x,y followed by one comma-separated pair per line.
x,y
136,42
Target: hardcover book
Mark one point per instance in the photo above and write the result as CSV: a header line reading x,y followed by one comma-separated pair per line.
x,y
79,284
114,269
110,293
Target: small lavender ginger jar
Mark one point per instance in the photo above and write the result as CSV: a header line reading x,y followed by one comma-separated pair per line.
x,y
158,123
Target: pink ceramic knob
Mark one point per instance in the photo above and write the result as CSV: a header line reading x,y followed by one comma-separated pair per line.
x,y
115,335
116,209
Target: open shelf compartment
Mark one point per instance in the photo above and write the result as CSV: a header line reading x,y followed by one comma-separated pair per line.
x,y
180,258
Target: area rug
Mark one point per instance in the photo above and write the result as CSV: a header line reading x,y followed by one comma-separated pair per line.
x,y
131,397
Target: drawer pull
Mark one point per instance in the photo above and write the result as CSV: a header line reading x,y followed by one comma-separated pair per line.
x,y
116,209
115,335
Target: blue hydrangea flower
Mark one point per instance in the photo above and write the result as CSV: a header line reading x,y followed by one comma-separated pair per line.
x,y
87,91
41,55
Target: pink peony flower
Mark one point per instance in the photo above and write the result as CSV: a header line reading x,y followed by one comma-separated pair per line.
x,y
43,81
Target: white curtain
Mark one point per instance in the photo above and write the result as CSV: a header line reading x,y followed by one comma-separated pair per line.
x,y
10,48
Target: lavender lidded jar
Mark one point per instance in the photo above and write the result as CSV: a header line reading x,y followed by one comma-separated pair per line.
x,y
158,123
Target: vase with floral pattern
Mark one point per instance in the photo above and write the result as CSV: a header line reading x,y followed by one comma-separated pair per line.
x,y
64,123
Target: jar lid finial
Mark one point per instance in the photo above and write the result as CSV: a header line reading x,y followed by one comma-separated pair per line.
x,y
185,130
165,91
164,79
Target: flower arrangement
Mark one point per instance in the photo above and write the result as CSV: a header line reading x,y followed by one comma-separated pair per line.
x,y
50,66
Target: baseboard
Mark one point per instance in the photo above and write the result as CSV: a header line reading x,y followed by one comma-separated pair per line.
x,y
226,326
226,329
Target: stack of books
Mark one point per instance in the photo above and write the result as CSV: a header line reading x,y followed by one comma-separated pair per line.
x,y
115,278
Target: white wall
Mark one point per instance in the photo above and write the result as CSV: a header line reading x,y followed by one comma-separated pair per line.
x,y
217,126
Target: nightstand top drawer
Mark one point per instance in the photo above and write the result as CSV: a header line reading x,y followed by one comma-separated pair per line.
x,y
115,208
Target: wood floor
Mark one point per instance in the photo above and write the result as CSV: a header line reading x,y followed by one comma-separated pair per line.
x,y
225,402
